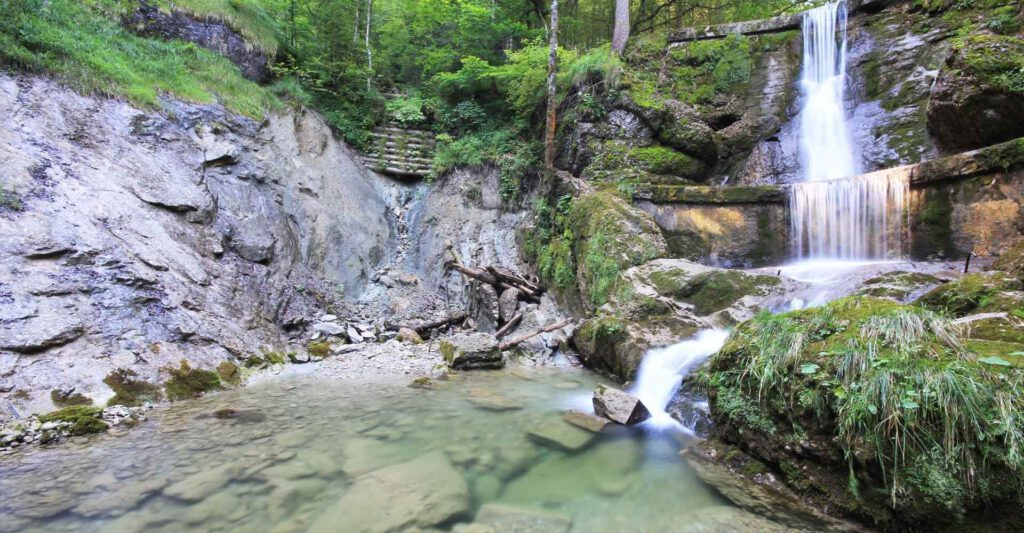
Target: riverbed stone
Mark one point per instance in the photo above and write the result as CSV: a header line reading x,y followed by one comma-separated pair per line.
x,y
472,351
204,483
425,492
560,434
502,518
586,421
619,406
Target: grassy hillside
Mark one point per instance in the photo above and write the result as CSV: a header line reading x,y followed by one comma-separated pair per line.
x,y
83,45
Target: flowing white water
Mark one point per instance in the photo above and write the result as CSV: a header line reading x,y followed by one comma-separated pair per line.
x,y
856,218
663,369
825,149
834,215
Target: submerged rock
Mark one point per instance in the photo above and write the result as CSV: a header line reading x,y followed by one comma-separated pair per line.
x,y
423,493
501,518
586,421
472,351
619,406
556,432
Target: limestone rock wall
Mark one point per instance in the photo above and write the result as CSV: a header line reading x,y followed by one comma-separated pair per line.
x,y
136,239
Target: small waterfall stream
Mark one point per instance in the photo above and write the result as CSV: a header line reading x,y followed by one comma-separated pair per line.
x,y
834,215
662,371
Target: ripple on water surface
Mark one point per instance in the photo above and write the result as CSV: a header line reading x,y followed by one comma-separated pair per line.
x,y
302,454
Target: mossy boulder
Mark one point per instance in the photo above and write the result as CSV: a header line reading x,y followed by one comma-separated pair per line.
x,y
978,98
582,244
618,161
875,410
711,291
974,293
605,344
84,419
1012,261
229,374
898,285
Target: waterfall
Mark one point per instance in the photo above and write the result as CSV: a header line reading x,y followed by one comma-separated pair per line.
x,y
663,369
850,219
825,148
834,214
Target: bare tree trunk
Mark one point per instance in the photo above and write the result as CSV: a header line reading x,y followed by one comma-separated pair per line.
x,y
621,32
369,53
552,112
355,26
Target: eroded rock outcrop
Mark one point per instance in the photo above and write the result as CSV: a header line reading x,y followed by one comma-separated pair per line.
x,y
977,100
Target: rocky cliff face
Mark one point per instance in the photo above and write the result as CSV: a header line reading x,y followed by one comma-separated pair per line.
x,y
133,239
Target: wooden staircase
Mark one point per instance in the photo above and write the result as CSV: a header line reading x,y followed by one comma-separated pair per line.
x,y
401,152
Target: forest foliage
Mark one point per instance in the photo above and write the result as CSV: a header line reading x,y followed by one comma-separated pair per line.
x,y
471,70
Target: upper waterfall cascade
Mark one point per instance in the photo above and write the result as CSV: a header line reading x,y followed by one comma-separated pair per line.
x,y
826,151
833,214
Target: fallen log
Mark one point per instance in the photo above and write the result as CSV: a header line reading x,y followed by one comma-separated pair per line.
x,y
509,326
425,326
515,280
518,340
475,273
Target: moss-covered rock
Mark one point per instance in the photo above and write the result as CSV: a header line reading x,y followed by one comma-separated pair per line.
x,y
873,409
582,244
973,293
709,292
187,382
898,285
319,349
130,390
978,98
84,419
1012,261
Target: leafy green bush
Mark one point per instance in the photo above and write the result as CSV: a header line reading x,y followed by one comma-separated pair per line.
x,y
406,111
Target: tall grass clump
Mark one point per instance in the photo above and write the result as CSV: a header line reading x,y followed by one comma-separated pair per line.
x,y
910,404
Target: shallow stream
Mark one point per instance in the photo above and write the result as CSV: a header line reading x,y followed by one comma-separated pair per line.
x,y
298,445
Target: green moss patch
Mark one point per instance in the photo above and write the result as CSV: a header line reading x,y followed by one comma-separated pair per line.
x,y
995,60
84,419
229,374
68,398
972,293
130,390
319,349
187,382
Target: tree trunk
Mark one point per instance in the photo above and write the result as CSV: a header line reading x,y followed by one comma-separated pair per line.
x,y
369,53
549,136
621,32
355,26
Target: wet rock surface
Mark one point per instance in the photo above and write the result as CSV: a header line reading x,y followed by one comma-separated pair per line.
x,y
620,407
472,351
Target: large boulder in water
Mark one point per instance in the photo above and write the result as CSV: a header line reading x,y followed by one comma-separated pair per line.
x,y
978,98
619,406
472,351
